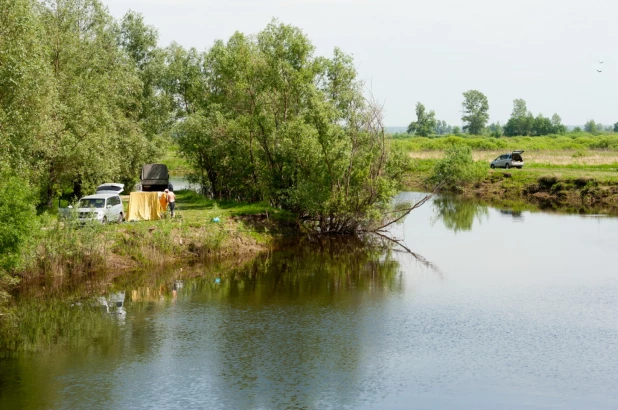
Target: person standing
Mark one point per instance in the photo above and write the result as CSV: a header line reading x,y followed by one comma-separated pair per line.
x,y
171,201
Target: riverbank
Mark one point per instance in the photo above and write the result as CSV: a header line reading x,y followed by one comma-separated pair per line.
x,y
547,182
202,228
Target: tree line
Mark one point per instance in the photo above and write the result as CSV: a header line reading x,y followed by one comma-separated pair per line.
x,y
475,117
87,99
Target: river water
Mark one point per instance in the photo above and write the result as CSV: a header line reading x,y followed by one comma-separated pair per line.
x,y
516,311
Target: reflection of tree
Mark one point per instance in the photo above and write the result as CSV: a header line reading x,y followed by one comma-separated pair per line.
x,y
298,323
457,214
291,323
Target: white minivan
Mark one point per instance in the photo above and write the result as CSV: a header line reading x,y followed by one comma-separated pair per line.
x,y
101,208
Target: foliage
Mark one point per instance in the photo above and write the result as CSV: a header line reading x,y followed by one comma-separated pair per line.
x,y
616,127
458,214
457,169
425,122
475,110
522,122
263,119
81,101
570,142
442,128
495,130
591,127
18,222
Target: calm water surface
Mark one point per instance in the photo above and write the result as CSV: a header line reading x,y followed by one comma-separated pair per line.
x,y
521,312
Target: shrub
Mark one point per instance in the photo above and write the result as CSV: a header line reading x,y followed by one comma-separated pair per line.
x,y
17,224
457,169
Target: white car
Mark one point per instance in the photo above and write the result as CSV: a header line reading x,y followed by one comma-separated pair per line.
x,y
110,188
103,208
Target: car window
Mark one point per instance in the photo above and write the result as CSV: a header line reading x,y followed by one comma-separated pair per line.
x,y
108,188
113,200
92,203
503,156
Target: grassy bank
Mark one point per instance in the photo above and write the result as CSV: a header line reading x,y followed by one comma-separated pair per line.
x,y
565,173
201,228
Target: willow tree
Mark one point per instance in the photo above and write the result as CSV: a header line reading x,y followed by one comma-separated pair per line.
x,y
273,122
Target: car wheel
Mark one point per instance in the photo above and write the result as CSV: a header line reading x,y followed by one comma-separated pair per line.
x,y
492,166
507,166
120,218
519,167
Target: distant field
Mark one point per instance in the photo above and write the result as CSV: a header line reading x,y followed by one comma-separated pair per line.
x,y
570,142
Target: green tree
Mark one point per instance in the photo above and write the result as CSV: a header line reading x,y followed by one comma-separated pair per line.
x,y
495,130
98,98
456,130
475,110
591,127
457,169
18,221
26,88
616,127
263,119
521,121
542,126
442,128
425,122
557,127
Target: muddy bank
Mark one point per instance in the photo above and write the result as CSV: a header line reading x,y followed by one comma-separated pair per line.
x,y
562,194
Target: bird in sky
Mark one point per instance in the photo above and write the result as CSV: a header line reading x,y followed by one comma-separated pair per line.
x,y
600,62
599,71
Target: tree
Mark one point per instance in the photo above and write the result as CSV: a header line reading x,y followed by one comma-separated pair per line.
x,y
521,121
26,88
475,109
263,119
456,130
542,126
557,127
98,100
495,130
616,127
442,128
425,122
591,127
18,221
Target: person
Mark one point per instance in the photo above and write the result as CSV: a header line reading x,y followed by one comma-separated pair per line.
x,y
171,201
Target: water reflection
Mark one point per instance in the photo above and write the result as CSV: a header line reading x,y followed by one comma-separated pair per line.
x,y
308,309
456,214
517,216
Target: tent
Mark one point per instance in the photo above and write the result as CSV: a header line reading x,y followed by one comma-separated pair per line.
x,y
146,206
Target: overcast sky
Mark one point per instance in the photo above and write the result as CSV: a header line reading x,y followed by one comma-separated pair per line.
x,y
544,51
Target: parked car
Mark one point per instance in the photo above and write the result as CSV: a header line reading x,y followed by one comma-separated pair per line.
x,y
110,188
101,208
512,160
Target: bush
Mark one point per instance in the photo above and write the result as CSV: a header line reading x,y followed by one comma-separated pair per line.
x,y
457,169
17,222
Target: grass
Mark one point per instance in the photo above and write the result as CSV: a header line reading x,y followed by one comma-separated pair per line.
x,y
569,172
197,209
176,165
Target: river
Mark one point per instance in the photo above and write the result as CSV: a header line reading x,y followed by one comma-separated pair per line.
x,y
515,311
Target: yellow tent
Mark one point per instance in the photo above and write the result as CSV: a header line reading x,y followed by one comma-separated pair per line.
x,y
146,206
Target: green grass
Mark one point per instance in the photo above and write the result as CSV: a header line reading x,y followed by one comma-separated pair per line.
x,y
573,142
195,208
176,165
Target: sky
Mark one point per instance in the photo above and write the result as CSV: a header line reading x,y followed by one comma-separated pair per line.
x,y
544,51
